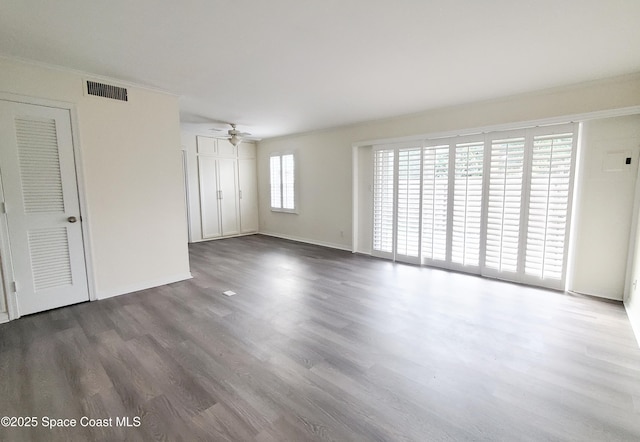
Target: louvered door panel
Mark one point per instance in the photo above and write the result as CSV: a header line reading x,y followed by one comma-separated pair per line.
x,y
467,204
506,174
383,202
50,260
408,217
435,196
39,165
549,205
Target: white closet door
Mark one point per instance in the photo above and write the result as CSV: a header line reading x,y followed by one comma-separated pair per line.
x,y
248,194
43,213
228,185
209,195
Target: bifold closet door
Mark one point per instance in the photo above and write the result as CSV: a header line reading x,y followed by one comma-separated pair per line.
x,y
209,195
228,186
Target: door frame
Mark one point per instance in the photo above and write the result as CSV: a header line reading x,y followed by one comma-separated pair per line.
x,y
5,248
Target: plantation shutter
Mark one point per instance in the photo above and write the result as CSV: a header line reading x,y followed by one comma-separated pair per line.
x,y
383,201
288,182
497,204
506,175
467,204
276,182
408,217
549,207
435,196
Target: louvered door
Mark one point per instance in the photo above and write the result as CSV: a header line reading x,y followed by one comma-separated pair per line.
x,y
409,204
504,205
383,202
467,205
43,216
435,203
549,208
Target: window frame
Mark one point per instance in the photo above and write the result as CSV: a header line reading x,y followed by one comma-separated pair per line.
x,y
280,156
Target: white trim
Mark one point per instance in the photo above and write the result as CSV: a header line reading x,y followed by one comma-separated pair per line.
x,y
7,265
104,294
216,238
187,197
631,110
306,241
4,317
579,171
82,199
355,206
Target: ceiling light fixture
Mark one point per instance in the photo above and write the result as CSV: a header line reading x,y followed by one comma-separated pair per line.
x,y
235,140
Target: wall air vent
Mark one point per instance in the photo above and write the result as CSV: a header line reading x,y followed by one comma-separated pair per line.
x,y
106,91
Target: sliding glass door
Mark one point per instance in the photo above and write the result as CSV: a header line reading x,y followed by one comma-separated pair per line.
x,y
497,204
397,203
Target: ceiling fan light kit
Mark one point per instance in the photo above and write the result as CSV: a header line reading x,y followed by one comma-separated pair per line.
x,y
235,140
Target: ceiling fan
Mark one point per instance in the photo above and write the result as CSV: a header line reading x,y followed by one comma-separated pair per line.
x,y
234,135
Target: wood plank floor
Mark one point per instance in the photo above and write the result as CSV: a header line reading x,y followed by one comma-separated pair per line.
x,y
320,344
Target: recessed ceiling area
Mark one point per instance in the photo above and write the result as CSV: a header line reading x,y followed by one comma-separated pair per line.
x,y
287,66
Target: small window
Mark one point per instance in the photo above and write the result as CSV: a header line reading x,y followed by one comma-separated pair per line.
x,y
282,170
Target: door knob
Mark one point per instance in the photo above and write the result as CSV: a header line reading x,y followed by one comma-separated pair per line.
x,y
72,219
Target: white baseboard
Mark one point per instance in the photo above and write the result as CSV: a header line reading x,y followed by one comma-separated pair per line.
x,y
104,294
306,241
593,295
4,317
222,237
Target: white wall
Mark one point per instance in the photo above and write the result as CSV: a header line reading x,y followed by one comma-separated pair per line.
x,y
131,163
325,159
323,164
604,208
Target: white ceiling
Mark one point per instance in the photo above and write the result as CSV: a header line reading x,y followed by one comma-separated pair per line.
x,y
284,66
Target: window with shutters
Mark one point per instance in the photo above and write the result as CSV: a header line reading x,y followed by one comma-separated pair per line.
x,y
467,203
506,174
549,205
383,201
435,196
497,204
283,182
408,222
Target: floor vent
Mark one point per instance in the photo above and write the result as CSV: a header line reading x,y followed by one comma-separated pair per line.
x,y
106,91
